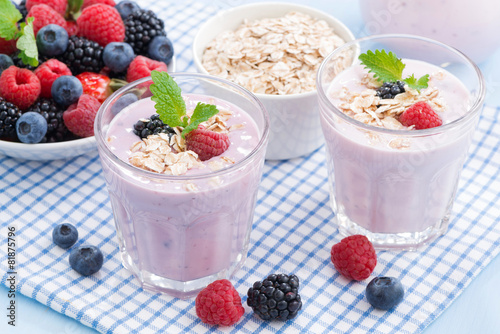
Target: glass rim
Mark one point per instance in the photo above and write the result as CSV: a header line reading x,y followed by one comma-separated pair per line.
x,y
471,112
101,142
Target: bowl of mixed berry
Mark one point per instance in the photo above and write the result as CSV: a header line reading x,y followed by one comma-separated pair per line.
x,y
59,61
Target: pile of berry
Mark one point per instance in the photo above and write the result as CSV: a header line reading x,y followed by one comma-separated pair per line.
x,y
79,61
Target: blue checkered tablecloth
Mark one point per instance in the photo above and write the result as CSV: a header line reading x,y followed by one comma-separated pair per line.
x,y
292,233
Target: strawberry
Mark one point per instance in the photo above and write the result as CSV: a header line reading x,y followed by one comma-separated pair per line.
x,y
421,115
95,84
206,143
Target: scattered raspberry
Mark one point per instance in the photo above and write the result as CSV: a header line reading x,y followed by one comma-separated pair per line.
x,y
95,84
206,143
88,3
142,66
7,47
354,257
48,72
44,15
71,28
19,86
79,117
421,115
102,24
58,5
219,304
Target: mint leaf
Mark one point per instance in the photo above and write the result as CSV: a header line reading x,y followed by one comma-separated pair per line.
x,y
386,67
419,84
169,102
201,113
26,43
9,16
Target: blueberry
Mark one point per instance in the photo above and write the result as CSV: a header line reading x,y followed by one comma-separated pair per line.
x,y
122,102
86,259
65,235
125,8
5,62
161,49
66,90
31,127
117,56
384,292
52,40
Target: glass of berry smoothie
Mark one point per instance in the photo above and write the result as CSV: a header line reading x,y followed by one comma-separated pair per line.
x,y
398,113
182,155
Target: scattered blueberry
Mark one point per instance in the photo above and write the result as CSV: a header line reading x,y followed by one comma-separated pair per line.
x,y
52,40
161,49
117,56
31,127
5,62
125,8
123,102
66,90
65,235
86,259
384,292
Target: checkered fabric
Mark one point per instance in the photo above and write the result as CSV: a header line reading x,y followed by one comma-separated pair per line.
x,y
293,232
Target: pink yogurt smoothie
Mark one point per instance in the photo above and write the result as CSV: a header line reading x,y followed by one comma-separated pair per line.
x,y
392,190
170,233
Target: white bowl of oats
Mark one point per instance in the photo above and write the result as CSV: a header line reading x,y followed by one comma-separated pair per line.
x,y
274,50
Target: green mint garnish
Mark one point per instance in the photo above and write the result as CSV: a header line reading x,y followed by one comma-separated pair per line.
x,y
9,16
170,105
387,67
26,43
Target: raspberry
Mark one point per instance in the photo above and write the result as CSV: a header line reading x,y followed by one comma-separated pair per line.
x,y
19,86
44,15
79,117
88,3
219,304
141,67
354,257
206,143
58,5
48,72
95,84
71,28
421,115
102,24
7,47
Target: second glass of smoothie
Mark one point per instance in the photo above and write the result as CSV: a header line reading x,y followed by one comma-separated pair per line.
x,y
395,184
178,233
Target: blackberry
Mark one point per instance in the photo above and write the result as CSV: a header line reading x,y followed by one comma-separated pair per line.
x,y
19,63
82,55
56,130
152,126
9,114
276,297
140,28
390,89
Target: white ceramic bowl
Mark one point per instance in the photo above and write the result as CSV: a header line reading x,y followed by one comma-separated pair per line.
x,y
295,128
54,151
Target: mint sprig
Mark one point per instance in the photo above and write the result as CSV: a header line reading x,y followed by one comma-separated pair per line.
x,y
387,67
170,105
26,42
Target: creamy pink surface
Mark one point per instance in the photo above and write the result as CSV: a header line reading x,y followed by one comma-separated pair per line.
x,y
396,190
177,234
470,26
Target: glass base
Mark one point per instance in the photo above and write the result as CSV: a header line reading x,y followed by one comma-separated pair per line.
x,y
393,241
178,289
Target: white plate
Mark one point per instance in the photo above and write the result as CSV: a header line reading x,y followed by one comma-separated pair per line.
x,y
54,151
